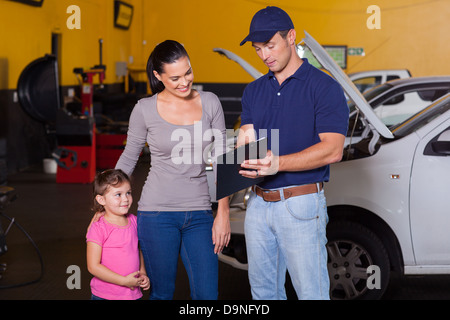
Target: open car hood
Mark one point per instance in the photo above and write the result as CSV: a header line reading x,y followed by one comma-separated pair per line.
x,y
244,64
373,122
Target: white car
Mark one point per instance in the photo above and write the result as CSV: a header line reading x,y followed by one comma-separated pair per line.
x,y
397,100
388,199
366,80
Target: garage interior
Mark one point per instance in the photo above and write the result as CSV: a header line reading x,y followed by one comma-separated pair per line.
x,y
70,76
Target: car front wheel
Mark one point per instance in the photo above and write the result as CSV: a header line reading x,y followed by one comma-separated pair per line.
x,y
358,263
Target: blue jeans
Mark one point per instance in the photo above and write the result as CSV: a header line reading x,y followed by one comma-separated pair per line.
x,y
163,236
287,235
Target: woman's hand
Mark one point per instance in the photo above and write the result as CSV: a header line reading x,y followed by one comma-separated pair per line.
x,y
95,218
221,230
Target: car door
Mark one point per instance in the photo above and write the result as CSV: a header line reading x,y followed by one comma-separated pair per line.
x,y
430,198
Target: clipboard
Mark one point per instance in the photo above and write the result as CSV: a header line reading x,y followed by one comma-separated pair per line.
x,y
229,180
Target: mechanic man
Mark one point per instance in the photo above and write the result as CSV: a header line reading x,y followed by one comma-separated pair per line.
x,y
305,115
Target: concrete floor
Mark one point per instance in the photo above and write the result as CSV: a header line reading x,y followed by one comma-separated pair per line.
x,y
56,217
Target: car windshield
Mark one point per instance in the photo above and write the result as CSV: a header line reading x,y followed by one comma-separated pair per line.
x,y
370,94
422,117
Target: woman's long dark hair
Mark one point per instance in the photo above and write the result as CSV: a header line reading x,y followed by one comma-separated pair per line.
x,y
168,51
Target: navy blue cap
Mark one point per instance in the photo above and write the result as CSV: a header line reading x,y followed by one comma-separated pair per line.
x,y
266,23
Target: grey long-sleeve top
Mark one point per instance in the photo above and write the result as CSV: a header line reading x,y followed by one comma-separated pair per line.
x,y
177,178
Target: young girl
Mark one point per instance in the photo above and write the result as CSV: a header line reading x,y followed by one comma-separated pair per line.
x,y
113,256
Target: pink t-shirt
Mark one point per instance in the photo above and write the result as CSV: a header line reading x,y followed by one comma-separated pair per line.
x,y
120,253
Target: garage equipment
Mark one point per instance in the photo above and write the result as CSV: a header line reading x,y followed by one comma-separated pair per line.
x,y
71,133
108,146
76,152
109,149
39,95
38,90
87,83
77,159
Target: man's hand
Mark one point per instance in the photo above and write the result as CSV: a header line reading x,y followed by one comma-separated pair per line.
x,y
261,167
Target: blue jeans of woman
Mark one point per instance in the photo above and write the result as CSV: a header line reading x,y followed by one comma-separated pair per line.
x,y
287,235
163,237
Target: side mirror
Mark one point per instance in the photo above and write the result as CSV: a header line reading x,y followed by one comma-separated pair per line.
x,y
441,147
394,100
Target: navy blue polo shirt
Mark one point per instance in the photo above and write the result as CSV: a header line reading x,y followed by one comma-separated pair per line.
x,y
293,114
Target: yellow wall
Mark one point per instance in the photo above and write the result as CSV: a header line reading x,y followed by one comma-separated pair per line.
x,y
414,34
25,34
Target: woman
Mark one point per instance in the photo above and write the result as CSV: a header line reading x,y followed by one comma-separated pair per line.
x,y
174,212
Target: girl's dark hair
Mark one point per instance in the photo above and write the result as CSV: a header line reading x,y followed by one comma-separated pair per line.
x,y
168,51
105,179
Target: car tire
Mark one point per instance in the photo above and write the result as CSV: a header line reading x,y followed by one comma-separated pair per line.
x,y
352,249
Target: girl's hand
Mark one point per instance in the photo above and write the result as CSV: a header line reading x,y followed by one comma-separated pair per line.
x,y
144,282
132,280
